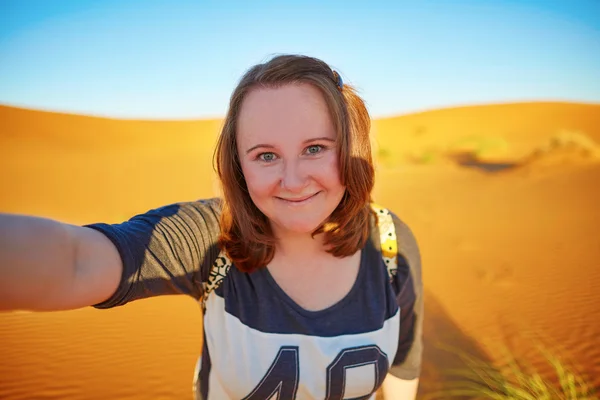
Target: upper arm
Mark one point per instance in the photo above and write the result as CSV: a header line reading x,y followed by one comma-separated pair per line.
x,y
409,296
167,250
98,269
164,251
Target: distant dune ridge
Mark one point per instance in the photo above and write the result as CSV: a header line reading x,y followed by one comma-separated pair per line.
x,y
508,133
565,147
503,200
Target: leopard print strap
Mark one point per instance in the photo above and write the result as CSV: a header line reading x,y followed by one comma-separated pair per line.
x,y
218,272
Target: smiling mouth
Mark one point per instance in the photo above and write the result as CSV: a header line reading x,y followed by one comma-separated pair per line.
x,y
300,199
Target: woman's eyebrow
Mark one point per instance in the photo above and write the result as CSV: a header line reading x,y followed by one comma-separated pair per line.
x,y
268,146
319,138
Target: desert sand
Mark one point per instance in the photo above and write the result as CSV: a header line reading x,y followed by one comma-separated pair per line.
x,y
503,199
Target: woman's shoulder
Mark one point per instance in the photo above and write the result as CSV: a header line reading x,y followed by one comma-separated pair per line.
x,y
187,221
210,205
196,212
406,242
387,219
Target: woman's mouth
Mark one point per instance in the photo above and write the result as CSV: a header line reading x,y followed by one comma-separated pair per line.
x,y
298,200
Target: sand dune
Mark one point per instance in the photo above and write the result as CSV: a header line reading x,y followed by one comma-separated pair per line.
x,y
505,132
105,168
503,200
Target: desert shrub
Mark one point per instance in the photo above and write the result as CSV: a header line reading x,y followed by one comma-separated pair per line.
x,y
570,140
479,146
513,380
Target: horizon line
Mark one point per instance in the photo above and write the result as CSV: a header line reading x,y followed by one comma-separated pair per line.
x,y
373,117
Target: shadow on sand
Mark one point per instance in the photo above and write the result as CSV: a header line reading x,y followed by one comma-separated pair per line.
x,y
440,331
470,160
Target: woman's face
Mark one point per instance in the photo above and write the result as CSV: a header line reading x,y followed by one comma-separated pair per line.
x,y
287,147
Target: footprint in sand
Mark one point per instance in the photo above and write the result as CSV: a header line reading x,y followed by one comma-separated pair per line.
x,y
499,276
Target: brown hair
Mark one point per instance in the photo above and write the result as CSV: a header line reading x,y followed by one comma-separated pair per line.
x,y
245,231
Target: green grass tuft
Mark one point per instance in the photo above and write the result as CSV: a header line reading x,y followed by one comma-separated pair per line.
x,y
512,381
480,146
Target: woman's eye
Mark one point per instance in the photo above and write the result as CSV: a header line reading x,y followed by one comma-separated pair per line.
x,y
266,157
314,149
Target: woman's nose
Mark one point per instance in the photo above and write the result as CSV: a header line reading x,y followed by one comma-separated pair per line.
x,y
294,178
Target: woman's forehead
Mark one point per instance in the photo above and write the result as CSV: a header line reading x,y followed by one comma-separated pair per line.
x,y
295,110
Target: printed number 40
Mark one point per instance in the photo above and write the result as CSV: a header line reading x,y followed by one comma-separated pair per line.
x,y
282,376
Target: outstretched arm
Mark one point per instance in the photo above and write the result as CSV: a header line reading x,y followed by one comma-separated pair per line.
x,y
46,265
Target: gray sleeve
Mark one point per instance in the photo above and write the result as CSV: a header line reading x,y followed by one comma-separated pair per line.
x,y
168,250
409,296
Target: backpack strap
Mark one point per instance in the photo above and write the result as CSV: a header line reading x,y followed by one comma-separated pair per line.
x,y
387,237
218,272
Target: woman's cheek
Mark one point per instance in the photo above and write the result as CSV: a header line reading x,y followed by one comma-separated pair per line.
x,y
260,179
329,169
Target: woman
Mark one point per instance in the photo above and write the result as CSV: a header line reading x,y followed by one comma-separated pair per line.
x,y
308,311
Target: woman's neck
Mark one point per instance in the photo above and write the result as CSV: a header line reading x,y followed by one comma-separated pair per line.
x,y
311,277
299,246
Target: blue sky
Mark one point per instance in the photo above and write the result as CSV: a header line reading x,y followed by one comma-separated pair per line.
x,y
181,59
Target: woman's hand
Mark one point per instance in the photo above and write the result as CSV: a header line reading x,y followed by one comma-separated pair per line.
x,y
399,389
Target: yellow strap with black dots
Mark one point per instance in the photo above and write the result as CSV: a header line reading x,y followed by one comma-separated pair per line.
x,y
387,237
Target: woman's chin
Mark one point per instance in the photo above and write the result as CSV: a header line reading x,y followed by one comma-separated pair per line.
x,y
298,227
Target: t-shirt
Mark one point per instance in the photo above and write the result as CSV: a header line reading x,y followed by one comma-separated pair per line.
x,y
258,343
